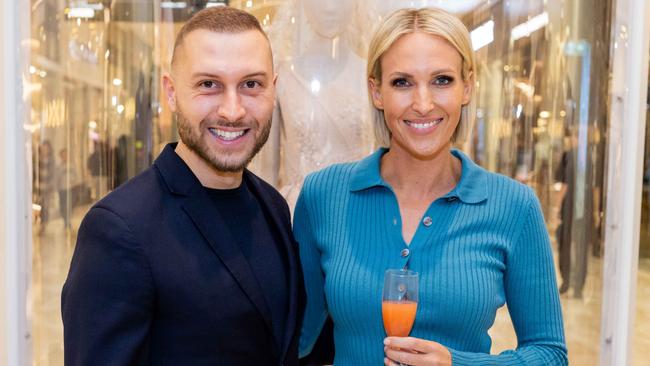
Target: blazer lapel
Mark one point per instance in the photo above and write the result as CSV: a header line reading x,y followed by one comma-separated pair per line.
x,y
211,226
284,229
182,182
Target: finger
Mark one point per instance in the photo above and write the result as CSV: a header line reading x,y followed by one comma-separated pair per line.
x,y
389,362
411,343
402,356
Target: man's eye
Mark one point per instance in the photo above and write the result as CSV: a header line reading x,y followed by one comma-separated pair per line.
x,y
252,84
400,83
443,80
209,84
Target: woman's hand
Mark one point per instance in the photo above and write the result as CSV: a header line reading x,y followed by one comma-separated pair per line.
x,y
415,352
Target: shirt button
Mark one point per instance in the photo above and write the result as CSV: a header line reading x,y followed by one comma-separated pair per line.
x,y
427,221
405,253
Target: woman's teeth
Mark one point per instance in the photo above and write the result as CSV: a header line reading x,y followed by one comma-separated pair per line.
x,y
422,125
227,135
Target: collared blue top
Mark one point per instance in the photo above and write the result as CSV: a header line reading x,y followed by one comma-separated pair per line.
x,y
480,246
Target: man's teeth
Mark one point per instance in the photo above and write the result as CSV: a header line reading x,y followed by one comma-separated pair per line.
x,y
227,135
425,124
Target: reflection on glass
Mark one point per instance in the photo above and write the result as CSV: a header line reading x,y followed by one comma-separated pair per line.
x,y
98,119
322,107
542,91
642,317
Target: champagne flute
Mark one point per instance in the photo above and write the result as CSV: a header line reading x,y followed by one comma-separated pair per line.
x,y
399,301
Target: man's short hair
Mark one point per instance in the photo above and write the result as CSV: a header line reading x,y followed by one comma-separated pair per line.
x,y
220,19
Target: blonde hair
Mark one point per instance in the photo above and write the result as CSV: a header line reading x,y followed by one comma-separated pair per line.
x,y
431,21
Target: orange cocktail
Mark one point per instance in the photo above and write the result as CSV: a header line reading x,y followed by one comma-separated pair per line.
x,y
398,317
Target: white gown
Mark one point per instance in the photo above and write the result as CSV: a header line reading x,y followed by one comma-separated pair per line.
x,y
322,122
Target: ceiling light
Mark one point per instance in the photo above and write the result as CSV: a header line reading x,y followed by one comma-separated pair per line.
x,y
483,35
528,27
315,86
81,12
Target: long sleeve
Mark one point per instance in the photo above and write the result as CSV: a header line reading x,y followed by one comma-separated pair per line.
x,y
316,307
532,298
486,246
108,297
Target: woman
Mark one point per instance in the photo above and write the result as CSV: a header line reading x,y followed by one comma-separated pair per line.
x,y
477,239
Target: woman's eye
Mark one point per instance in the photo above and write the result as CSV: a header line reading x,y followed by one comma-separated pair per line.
x,y
443,80
400,83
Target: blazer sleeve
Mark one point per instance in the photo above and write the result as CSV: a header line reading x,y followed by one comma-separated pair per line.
x,y
316,308
532,298
108,297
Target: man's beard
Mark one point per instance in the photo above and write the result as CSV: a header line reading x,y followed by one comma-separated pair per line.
x,y
194,139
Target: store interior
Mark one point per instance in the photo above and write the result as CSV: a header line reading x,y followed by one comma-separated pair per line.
x,y
98,119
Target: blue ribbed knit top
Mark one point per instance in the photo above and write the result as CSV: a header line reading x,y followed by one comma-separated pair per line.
x,y
487,246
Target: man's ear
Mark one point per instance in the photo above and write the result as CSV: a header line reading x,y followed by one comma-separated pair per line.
x,y
170,90
375,93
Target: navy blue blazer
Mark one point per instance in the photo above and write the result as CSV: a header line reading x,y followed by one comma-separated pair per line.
x,y
157,279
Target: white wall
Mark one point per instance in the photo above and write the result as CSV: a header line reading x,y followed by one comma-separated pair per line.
x,y
15,186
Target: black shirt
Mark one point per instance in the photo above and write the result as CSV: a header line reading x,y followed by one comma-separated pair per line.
x,y
261,245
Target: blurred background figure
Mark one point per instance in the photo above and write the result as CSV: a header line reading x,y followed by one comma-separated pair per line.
x,y
44,182
67,178
565,175
97,165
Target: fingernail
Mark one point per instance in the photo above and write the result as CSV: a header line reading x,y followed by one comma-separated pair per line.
x,y
386,341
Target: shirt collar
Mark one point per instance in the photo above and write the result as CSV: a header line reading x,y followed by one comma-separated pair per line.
x,y
471,188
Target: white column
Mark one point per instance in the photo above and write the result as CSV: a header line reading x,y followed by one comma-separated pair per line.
x,y
15,186
631,37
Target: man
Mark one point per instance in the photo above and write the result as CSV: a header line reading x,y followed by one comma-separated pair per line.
x,y
192,262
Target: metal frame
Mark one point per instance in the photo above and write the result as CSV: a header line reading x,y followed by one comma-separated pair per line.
x,y
631,36
15,186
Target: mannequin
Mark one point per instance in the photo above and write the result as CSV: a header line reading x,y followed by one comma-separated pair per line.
x,y
385,7
322,111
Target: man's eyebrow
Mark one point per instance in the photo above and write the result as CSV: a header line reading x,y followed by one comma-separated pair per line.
x,y
197,75
203,74
256,74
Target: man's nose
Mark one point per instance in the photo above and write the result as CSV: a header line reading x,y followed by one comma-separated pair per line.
x,y
231,108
